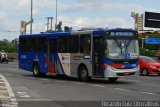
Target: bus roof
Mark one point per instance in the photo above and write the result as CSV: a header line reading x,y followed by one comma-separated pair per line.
x,y
56,34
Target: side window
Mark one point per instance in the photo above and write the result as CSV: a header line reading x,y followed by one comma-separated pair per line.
x,y
53,45
85,44
63,45
32,44
42,47
74,44
23,45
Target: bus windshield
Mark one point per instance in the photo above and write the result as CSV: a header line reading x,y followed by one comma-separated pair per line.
x,y
121,49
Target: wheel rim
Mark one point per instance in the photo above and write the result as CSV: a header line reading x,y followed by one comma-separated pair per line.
x,y
144,72
84,73
35,70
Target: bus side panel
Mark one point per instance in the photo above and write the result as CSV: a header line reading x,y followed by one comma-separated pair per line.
x,y
67,64
30,58
55,65
23,61
59,64
77,60
42,62
74,64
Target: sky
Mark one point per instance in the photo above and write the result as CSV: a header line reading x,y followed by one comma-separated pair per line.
x,y
74,13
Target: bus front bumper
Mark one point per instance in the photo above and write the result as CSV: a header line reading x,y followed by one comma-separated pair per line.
x,y
112,72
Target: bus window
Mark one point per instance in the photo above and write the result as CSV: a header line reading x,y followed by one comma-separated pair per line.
x,y
74,44
85,44
53,45
63,45
42,45
32,44
23,45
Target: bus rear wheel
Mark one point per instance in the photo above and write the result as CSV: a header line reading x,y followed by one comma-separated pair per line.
x,y
36,71
83,74
113,79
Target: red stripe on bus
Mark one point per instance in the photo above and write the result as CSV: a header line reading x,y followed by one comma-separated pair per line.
x,y
118,66
52,68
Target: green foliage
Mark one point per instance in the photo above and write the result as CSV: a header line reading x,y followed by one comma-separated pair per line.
x,y
8,46
146,52
152,47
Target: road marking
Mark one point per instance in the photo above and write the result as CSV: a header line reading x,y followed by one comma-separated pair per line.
x,y
78,83
32,99
10,99
8,74
60,81
23,95
122,89
12,69
101,86
20,76
133,80
1,82
149,93
44,79
4,94
30,77
3,90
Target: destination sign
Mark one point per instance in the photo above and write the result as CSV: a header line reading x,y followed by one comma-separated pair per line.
x,y
121,33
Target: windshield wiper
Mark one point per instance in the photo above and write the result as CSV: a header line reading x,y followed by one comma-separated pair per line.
x,y
128,44
119,44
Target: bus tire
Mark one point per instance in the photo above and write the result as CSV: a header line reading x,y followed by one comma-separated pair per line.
x,y
83,74
113,79
36,71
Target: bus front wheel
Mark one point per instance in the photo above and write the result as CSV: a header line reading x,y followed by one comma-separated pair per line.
x,y
83,74
113,79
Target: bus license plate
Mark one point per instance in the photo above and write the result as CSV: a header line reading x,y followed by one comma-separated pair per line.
x,y
126,73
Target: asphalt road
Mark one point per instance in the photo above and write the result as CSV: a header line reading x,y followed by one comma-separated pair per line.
x,y
50,91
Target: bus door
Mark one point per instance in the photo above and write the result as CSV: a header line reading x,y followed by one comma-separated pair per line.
x,y
98,57
42,54
52,56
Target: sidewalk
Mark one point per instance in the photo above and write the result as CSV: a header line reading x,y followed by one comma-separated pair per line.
x,y
7,98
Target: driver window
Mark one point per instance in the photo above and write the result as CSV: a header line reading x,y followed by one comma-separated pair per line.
x,y
85,44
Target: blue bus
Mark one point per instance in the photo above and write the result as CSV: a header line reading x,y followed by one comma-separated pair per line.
x,y
104,54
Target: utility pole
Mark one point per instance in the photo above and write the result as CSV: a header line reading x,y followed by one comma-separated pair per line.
x,y
56,15
31,16
47,23
51,22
